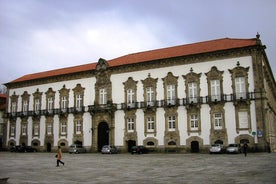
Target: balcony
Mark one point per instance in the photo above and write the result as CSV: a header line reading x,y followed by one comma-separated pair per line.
x,y
101,108
111,107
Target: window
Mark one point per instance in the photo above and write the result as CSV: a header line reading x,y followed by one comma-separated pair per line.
x,y
13,109
192,86
12,130
171,94
25,107
240,87
50,104
150,96
78,101
103,96
194,122
171,121
63,128
36,130
217,121
49,129
78,127
243,119
37,106
150,123
130,97
130,124
24,129
215,90
63,103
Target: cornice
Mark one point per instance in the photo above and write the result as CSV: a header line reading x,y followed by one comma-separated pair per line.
x,y
52,79
183,60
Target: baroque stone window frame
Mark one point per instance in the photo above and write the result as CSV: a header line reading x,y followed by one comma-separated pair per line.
x,y
24,123
149,82
237,72
215,74
171,136
14,100
78,90
78,118
12,129
171,112
25,98
37,96
50,94
36,123
49,121
63,119
130,84
170,79
64,92
241,104
194,110
130,114
217,109
150,114
243,108
130,135
103,81
192,77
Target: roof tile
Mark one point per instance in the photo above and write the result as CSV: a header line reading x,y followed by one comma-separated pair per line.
x,y
170,52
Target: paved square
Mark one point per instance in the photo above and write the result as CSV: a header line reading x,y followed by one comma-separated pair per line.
x,y
148,168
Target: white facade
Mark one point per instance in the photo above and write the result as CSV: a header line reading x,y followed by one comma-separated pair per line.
x,y
190,121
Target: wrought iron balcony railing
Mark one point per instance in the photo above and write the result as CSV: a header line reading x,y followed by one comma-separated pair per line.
x,y
111,107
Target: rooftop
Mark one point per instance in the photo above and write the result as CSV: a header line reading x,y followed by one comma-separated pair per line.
x,y
163,53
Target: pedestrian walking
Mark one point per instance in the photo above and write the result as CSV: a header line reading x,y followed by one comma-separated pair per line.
x,y
59,156
245,146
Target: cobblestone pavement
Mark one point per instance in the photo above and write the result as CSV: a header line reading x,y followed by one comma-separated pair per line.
x,y
147,168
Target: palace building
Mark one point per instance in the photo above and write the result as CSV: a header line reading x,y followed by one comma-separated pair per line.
x,y
182,98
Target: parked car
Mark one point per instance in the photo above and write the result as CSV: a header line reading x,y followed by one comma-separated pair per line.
x,y
17,148
139,149
76,148
233,148
20,148
30,149
216,148
107,149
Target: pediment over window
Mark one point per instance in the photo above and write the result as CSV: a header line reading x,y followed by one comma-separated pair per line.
x,y
214,73
25,96
37,94
170,79
149,81
130,83
192,76
239,71
50,92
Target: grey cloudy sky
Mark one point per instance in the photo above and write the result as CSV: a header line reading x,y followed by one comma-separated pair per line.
x,y
41,35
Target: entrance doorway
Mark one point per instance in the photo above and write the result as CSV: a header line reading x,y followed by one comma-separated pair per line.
x,y
130,143
194,147
103,135
49,147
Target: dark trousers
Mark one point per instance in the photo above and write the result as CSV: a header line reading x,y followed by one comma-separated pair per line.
x,y
59,161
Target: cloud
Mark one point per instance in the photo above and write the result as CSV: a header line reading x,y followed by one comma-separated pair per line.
x,y
43,35
84,42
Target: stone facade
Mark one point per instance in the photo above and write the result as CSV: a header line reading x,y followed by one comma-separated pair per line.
x,y
183,103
